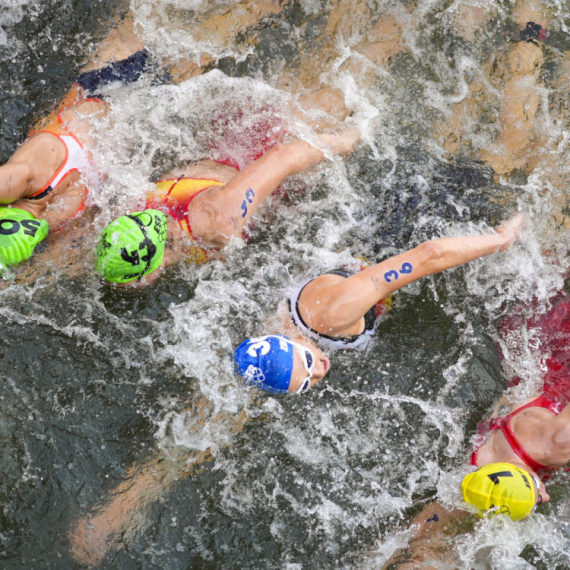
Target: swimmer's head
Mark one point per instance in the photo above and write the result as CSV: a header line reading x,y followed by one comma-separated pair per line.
x,y
132,246
501,488
277,364
20,232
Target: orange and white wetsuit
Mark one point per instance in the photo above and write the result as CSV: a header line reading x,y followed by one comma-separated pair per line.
x,y
76,159
174,196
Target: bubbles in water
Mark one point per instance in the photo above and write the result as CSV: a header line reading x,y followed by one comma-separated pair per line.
x,y
12,13
320,479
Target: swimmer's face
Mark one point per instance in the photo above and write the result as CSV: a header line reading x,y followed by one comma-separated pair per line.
x,y
321,365
541,496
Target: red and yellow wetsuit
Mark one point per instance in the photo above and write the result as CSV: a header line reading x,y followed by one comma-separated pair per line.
x,y
174,196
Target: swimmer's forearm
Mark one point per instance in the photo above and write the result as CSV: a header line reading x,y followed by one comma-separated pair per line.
x,y
441,254
298,156
92,537
426,259
438,255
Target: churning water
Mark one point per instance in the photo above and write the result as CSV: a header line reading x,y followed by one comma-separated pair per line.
x,y
95,381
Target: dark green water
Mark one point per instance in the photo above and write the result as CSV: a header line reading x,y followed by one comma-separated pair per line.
x,y
92,379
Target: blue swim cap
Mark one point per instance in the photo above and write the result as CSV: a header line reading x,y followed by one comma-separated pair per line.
x,y
266,362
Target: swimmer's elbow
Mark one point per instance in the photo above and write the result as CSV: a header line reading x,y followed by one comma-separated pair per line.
x,y
431,256
14,181
208,224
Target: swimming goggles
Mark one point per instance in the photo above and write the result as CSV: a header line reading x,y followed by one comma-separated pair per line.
x,y
308,359
539,500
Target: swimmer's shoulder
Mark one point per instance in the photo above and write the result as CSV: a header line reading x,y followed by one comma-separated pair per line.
x,y
318,293
322,282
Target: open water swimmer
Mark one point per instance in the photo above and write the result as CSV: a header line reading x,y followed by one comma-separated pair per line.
x,y
50,175
129,441
203,206
293,363
336,311
518,450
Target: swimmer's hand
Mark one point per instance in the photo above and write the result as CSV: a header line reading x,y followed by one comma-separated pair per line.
x,y
510,230
342,142
91,540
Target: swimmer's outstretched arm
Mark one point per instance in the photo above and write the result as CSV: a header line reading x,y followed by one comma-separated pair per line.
x,y
218,218
93,536
346,302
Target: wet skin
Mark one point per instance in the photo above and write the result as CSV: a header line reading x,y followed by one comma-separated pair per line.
x,y
299,374
541,496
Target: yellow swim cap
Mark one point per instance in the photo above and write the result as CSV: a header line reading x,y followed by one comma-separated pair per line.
x,y
502,487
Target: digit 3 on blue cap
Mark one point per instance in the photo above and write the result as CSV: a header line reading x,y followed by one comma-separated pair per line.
x,y
266,362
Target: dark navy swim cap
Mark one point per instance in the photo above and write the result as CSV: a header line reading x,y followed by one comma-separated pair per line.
x,y
266,362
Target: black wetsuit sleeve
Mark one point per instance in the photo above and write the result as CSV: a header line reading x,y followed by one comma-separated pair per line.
x,y
125,71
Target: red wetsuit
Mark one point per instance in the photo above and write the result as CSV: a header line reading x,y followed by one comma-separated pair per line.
x,y
554,332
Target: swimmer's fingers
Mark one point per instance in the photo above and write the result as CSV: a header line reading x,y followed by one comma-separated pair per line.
x,y
511,229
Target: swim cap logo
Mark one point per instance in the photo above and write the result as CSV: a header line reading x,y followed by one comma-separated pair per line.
x,y
254,375
133,258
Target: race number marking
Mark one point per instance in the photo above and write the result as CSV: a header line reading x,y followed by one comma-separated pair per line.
x,y
394,275
249,195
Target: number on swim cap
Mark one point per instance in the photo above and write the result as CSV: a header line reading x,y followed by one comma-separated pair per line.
x,y
9,231
495,477
262,344
133,258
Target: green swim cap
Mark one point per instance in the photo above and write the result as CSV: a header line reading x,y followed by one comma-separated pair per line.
x,y
132,246
20,232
